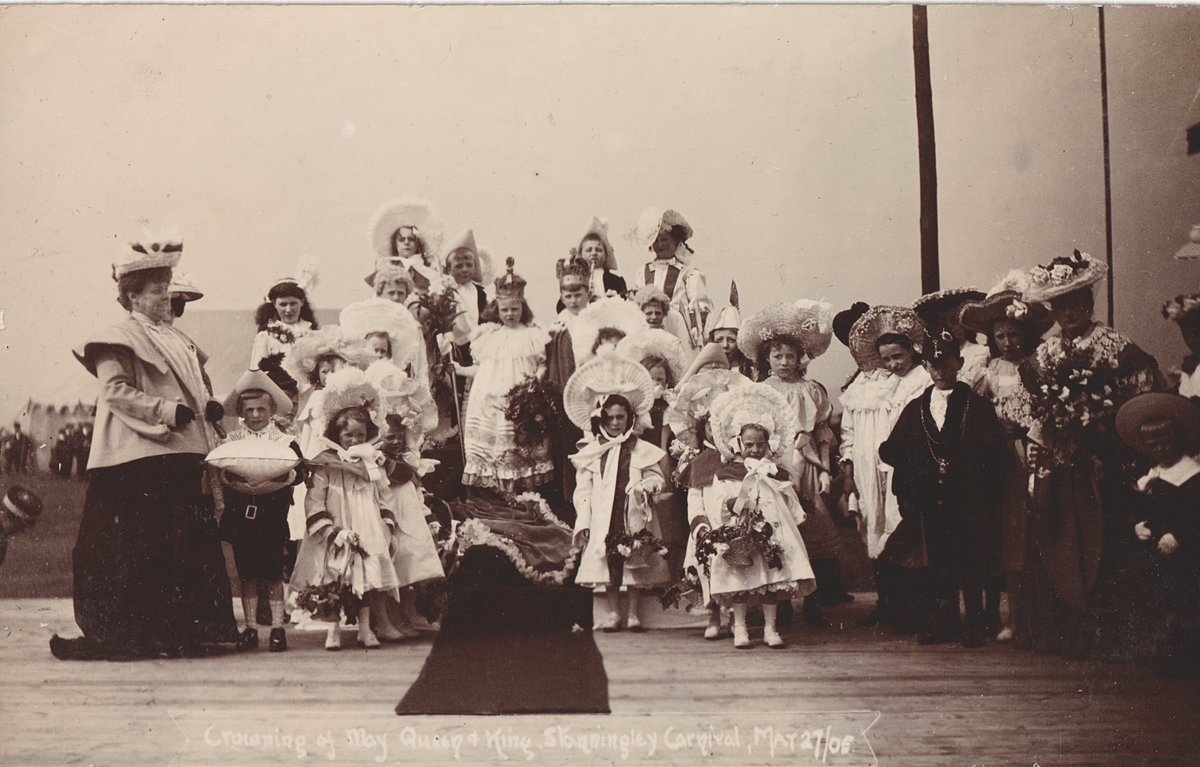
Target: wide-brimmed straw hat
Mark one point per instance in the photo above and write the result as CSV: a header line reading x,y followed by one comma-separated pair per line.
x,y
1006,305
694,400
1063,275
810,322
184,286
148,251
877,321
608,312
755,403
379,315
654,220
301,359
257,380
605,374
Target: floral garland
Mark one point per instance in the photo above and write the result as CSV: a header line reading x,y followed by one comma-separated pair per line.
x,y
754,528
473,532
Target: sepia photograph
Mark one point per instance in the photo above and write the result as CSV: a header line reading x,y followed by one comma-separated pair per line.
x,y
682,384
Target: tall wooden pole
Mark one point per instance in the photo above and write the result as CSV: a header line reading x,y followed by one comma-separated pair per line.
x,y
1108,209
926,153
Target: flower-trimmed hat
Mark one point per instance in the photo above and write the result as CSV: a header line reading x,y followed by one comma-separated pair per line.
x,y
606,373
402,395
655,342
608,312
1005,305
752,404
21,507
1154,408
407,212
375,315
877,321
728,318
845,319
1063,275
347,388
301,359
1181,307
184,286
810,322
150,251
599,228
695,398
930,305
257,380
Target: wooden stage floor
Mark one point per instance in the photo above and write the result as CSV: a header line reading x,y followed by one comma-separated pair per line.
x,y
833,696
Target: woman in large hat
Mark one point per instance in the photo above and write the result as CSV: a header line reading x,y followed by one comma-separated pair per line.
x,y
1080,498
1013,329
149,572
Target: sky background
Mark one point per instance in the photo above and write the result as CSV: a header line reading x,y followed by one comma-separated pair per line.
x,y
785,135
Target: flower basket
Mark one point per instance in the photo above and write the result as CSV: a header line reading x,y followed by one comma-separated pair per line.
x,y
639,558
331,600
638,550
740,552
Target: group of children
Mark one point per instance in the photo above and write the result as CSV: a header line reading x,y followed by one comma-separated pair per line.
x,y
698,456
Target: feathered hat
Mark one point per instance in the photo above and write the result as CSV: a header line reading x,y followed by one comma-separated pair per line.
x,y
510,284
347,388
257,380
609,312
1063,275
650,294
301,359
810,322
694,399
729,318
845,319
930,305
605,374
402,395
149,251
655,342
304,277
184,286
376,315
599,228
877,321
654,220
752,404
573,272
402,213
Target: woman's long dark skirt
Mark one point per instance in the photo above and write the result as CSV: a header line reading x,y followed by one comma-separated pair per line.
x,y
149,571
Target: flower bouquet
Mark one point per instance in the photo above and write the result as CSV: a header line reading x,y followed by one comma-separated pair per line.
x,y
686,589
1072,397
436,311
333,599
534,408
738,542
637,549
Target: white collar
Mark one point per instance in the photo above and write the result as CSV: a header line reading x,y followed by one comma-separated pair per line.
x,y
941,393
144,319
1179,473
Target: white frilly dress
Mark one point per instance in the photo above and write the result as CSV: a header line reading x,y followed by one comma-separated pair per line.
x,y
866,424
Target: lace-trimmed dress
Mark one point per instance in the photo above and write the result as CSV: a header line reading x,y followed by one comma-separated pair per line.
x,y
506,357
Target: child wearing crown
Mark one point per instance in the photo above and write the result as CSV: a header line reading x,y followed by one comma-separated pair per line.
x,y
508,349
